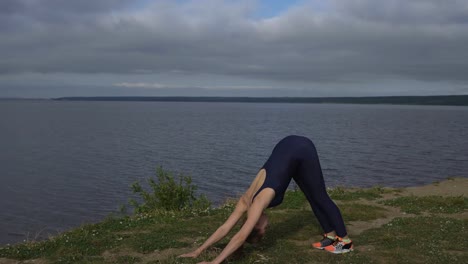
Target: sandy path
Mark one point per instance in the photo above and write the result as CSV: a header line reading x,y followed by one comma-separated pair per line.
x,y
449,187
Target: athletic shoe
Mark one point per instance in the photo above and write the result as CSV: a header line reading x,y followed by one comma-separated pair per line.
x,y
326,241
339,246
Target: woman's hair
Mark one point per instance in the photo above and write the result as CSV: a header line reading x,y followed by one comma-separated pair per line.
x,y
254,237
258,231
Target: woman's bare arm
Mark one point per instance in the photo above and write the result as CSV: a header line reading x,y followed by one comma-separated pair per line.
x,y
254,213
223,230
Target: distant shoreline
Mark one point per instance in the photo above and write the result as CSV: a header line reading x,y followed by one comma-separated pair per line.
x,y
22,99
455,100
450,100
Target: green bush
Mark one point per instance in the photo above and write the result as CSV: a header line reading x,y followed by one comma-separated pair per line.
x,y
169,194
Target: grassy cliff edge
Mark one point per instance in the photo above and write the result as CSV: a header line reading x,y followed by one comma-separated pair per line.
x,y
426,224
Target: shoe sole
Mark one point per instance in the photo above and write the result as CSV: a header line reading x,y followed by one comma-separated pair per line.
x,y
342,251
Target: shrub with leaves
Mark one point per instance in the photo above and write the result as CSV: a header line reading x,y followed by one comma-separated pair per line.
x,y
169,194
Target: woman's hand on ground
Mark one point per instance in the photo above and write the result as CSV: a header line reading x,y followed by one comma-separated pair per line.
x,y
192,254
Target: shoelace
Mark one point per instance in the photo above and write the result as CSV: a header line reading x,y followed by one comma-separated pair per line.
x,y
337,240
323,239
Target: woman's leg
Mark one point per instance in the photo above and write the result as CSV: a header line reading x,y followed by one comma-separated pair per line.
x,y
325,223
310,179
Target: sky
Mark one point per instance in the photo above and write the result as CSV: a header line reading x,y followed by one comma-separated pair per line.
x,y
314,48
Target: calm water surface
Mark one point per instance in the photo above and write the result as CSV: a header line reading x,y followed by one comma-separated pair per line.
x,y
67,163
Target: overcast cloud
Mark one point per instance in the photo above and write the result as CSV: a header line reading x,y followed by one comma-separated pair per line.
x,y
313,48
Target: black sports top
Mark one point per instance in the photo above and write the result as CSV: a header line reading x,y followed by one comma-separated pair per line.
x,y
282,164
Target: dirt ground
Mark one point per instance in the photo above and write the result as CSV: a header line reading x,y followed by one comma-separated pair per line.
x,y
449,187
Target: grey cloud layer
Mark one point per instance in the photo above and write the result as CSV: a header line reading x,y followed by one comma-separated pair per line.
x,y
347,40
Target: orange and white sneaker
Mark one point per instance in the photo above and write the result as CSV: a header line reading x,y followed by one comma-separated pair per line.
x,y
326,241
340,246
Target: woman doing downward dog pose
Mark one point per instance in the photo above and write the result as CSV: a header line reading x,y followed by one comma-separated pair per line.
x,y
294,157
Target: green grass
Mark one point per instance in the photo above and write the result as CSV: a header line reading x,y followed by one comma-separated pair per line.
x,y
293,199
353,211
144,233
160,230
128,259
431,204
160,235
419,240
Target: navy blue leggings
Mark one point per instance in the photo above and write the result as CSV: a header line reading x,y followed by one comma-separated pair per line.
x,y
296,157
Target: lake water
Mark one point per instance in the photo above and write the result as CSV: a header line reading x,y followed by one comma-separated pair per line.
x,y
67,163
